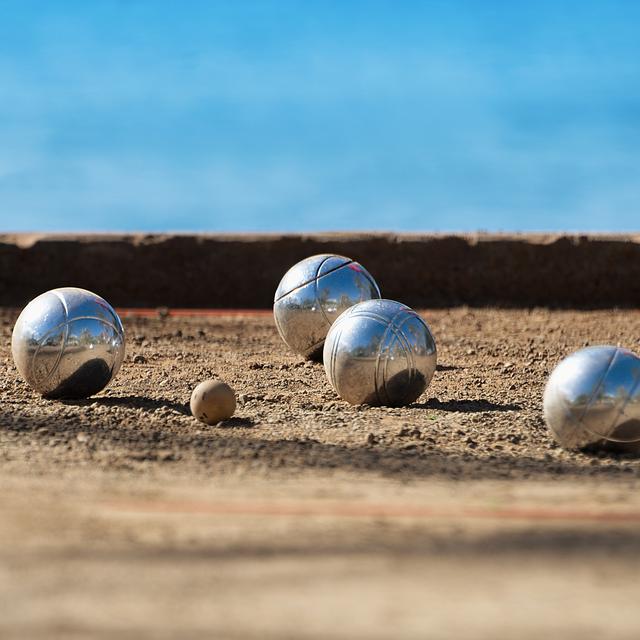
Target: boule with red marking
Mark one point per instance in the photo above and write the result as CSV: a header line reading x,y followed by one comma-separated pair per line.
x,y
311,296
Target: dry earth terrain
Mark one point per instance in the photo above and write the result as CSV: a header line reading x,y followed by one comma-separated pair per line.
x,y
304,517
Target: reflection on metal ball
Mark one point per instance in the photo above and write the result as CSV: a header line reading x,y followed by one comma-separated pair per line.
x,y
68,343
593,398
313,293
380,352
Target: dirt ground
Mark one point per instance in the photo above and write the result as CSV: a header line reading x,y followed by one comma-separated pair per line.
x,y
304,517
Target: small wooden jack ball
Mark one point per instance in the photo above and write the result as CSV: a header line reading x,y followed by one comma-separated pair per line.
x,y
213,401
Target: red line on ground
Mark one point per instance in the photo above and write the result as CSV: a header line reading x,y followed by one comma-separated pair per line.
x,y
352,510
182,313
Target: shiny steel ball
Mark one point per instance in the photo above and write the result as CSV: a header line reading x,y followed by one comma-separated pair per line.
x,y
68,343
380,352
312,294
593,398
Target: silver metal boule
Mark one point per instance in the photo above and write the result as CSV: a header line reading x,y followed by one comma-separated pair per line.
x,y
311,296
593,397
68,343
380,352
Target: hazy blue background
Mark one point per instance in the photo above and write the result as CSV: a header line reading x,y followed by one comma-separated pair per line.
x,y
319,115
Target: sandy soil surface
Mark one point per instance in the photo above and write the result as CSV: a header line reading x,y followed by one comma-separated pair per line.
x,y
304,517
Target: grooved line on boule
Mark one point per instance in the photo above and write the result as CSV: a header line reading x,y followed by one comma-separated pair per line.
x,y
389,328
334,350
408,348
402,340
65,337
315,288
304,284
596,392
632,391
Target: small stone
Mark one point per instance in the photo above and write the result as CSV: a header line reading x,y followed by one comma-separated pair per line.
x,y
139,359
82,437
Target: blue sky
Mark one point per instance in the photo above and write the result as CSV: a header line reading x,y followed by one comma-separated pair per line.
x,y
323,115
